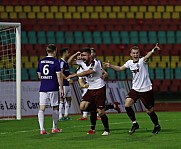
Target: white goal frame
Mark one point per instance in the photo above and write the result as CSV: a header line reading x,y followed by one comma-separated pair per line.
x,y
4,25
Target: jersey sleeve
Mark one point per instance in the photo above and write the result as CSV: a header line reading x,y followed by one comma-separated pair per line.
x,y
127,64
61,65
57,66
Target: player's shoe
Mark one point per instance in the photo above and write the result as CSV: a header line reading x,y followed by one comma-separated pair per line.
x,y
134,127
43,132
91,132
106,133
82,118
67,118
57,130
156,129
117,108
98,118
62,119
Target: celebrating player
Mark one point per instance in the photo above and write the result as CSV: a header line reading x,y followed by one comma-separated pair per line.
x,y
141,88
95,97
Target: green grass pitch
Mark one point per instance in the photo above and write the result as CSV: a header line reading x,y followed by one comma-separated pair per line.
x,y
24,134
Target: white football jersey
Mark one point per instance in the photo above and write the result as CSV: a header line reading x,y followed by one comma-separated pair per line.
x,y
94,80
141,80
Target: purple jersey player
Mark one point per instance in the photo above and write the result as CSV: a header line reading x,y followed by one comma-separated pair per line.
x,y
50,76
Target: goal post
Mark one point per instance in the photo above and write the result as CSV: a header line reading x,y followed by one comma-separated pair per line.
x,y
10,70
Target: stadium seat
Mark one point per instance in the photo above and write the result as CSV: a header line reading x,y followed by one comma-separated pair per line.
x,y
159,74
121,75
151,73
24,74
31,34
178,73
168,73
111,74
33,74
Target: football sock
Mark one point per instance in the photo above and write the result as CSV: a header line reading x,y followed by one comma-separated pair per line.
x,y
67,107
41,119
104,120
153,118
93,119
85,114
130,113
55,118
60,109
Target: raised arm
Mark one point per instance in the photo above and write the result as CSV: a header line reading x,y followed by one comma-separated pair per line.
x,y
73,57
149,54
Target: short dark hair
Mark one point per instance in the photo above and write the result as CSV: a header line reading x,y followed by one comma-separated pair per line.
x,y
51,48
86,49
63,50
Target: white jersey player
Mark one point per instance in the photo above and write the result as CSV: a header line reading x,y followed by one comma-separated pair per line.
x,y
141,86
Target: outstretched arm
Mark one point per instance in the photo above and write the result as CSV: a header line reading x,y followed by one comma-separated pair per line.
x,y
117,68
149,54
81,74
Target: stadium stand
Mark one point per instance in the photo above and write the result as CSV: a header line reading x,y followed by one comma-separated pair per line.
x,y
111,27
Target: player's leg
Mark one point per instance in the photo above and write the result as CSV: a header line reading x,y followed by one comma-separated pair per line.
x,y
68,102
54,100
61,105
93,119
43,97
100,104
148,100
114,106
130,100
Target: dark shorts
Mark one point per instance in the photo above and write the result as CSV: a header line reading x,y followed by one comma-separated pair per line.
x,y
147,98
97,97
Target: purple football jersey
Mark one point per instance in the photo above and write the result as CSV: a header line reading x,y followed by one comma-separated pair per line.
x,y
65,66
48,68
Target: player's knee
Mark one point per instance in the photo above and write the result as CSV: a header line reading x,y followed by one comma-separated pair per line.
x,y
82,106
148,111
128,102
42,108
101,112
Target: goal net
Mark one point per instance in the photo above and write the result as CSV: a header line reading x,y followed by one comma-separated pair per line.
x,y
10,70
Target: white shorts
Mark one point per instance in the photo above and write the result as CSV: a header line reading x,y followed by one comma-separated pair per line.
x,y
67,91
46,98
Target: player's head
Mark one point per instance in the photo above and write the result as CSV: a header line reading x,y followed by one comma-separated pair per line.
x,y
86,54
135,53
93,52
51,49
64,52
